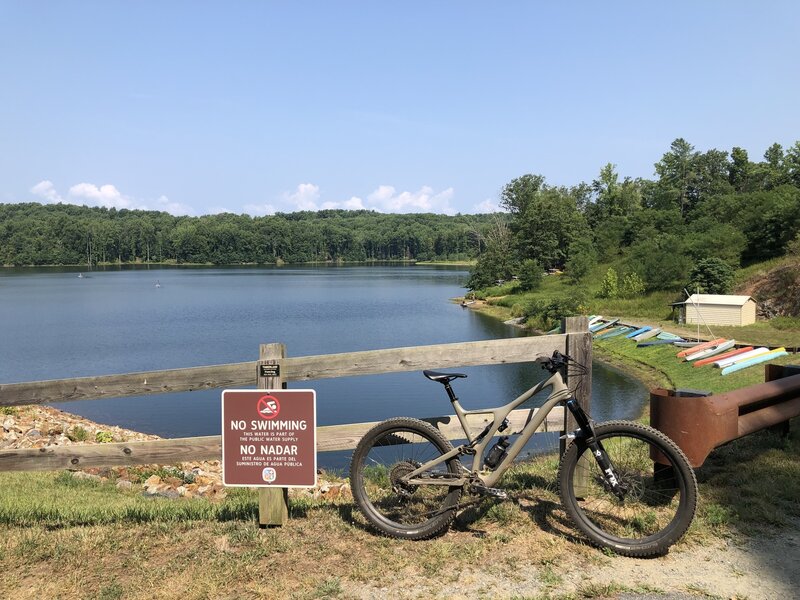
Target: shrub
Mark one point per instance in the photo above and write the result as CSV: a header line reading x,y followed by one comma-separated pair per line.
x,y
8,410
546,313
103,437
78,434
609,287
632,286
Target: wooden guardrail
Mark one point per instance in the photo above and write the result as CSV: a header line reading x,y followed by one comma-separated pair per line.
x,y
576,341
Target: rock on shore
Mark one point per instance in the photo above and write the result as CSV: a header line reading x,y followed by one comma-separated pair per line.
x,y
43,427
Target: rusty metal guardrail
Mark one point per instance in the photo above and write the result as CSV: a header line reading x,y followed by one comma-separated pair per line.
x,y
698,423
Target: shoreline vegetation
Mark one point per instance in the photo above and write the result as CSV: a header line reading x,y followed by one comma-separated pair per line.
x,y
279,263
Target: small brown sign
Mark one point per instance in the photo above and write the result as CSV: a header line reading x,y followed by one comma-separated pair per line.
x,y
269,438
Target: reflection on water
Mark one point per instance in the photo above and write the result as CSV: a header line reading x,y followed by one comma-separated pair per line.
x,y
58,325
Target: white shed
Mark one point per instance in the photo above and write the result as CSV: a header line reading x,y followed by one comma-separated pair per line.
x,y
716,309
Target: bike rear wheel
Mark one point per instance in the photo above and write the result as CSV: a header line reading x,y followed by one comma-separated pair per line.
x,y
386,453
660,498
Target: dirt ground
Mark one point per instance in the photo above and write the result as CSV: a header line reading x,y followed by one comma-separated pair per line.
x,y
765,567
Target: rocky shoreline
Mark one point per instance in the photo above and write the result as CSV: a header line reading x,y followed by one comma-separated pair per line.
x,y
44,427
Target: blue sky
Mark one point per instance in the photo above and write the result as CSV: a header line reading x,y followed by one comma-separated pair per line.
x,y
256,107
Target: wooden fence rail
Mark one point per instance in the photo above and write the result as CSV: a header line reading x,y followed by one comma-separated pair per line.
x,y
576,341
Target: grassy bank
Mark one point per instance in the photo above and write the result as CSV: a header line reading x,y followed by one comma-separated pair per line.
x,y
68,538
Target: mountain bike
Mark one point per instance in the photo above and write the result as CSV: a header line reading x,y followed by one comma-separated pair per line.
x,y
626,486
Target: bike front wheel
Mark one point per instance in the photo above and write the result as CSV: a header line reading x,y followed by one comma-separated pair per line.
x,y
659,490
388,452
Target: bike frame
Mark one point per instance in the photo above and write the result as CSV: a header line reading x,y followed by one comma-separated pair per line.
x,y
559,393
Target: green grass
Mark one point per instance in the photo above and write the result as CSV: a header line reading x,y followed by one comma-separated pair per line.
x,y
60,500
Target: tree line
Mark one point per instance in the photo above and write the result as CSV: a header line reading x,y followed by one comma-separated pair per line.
x,y
704,215
61,234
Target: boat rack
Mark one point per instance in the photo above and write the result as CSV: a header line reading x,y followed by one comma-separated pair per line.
x,y
699,421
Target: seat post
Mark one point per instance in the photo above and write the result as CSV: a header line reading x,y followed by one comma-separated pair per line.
x,y
450,392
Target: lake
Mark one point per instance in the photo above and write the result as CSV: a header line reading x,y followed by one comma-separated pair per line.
x,y
57,325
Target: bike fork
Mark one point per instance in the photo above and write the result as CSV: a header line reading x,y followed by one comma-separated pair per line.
x,y
586,433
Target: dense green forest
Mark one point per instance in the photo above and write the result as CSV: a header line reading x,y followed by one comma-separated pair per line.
x,y
60,234
706,214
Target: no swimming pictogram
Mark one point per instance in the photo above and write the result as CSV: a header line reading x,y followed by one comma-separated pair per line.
x,y
268,407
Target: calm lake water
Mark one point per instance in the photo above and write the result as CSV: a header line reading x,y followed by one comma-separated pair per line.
x,y
56,325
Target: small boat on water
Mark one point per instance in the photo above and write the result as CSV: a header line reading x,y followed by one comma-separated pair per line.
x,y
771,355
710,351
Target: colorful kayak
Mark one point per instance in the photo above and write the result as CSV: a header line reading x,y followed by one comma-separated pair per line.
x,y
652,342
687,343
712,351
726,362
594,319
638,331
708,361
778,352
698,347
647,335
614,333
666,335
603,325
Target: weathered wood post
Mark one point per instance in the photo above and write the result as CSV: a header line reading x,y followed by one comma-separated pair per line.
x,y
579,347
273,503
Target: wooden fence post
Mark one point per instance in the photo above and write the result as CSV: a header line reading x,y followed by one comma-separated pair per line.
x,y
273,503
579,347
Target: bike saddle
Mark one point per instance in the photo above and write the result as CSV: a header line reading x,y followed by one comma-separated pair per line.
x,y
442,377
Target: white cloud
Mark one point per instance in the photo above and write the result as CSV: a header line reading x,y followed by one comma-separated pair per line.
x,y
488,206
384,199
355,203
47,191
304,197
387,199
108,196
105,195
257,210
174,208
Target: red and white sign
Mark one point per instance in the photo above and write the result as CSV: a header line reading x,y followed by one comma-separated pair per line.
x,y
269,438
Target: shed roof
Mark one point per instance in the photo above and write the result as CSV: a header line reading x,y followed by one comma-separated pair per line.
x,y
717,299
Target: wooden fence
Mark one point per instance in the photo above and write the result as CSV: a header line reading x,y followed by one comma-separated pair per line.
x,y
576,341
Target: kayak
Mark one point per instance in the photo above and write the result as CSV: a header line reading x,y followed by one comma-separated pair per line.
x,y
638,331
712,351
708,361
614,333
647,335
698,347
755,360
726,362
654,343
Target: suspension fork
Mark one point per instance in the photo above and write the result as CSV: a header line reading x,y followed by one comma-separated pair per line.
x,y
585,433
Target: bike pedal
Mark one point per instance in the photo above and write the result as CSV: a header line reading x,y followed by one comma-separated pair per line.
x,y
492,492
